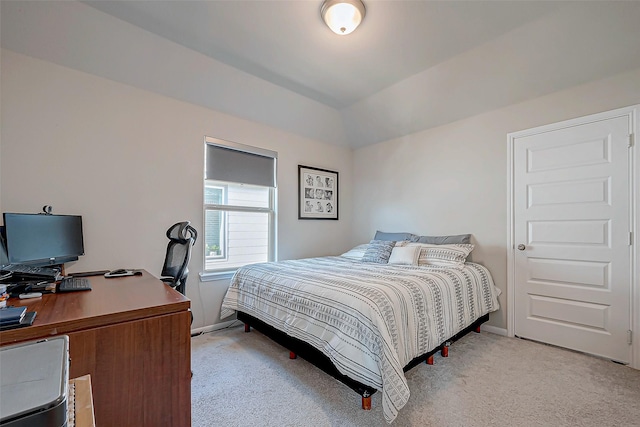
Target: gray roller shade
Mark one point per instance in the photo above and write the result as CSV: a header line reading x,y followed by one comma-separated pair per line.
x,y
233,165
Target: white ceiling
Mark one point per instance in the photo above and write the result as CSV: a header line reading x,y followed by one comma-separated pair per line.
x,y
286,42
410,66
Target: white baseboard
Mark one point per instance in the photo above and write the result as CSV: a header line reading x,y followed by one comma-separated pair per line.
x,y
214,327
493,330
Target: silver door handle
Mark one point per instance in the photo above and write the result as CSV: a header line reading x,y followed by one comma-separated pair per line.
x,y
521,247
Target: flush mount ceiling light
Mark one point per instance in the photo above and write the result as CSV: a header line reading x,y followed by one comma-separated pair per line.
x,y
342,16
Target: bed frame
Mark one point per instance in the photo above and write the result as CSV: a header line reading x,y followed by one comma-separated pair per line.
x,y
300,348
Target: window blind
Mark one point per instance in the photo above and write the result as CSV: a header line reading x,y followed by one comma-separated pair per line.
x,y
231,162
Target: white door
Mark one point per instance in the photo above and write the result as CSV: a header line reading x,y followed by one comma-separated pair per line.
x,y
571,228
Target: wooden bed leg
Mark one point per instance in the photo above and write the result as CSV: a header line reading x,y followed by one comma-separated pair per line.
x,y
430,360
477,329
445,351
247,328
366,402
292,355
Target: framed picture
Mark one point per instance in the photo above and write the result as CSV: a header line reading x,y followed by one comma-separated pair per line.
x,y
317,193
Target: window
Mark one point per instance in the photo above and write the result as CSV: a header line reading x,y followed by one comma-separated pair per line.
x,y
239,205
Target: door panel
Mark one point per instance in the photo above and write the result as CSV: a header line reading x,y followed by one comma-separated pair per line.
x,y
569,272
591,232
572,214
577,191
570,312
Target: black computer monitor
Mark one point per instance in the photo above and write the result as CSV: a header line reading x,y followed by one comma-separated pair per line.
x,y
3,250
41,240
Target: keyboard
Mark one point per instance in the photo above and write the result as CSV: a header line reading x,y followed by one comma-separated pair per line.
x,y
70,284
27,272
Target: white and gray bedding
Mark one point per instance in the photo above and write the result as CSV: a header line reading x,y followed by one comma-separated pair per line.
x,y
370,319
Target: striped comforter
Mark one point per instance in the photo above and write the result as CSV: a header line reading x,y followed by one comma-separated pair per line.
x,y
370,319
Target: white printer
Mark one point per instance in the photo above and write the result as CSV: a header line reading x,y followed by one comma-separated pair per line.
x,y
35,380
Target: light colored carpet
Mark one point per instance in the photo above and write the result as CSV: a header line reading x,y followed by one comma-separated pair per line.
x,y
245,379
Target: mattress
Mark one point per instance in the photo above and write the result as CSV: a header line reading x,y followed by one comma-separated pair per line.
x,y
369,319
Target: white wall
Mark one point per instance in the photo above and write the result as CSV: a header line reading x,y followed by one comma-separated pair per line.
x,y
131,163
78,36
1,210
453,179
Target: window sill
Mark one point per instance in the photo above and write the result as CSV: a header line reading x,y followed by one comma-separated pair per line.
x,y
210,276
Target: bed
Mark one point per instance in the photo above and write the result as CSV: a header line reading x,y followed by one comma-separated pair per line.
x,y
364,322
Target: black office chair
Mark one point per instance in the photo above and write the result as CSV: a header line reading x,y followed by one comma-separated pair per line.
x,y
175,270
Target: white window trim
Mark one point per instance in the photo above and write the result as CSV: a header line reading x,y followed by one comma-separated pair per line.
x,y
221,273
211,276
224,255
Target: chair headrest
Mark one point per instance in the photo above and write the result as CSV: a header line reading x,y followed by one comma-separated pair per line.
x,y
182,232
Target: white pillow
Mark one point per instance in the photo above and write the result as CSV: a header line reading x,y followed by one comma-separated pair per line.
x,y
357,252
453,255
406,255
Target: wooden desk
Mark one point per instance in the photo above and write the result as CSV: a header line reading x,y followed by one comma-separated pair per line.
x,y
132,335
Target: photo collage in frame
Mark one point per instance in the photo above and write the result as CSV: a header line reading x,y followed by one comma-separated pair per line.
x,y
318,193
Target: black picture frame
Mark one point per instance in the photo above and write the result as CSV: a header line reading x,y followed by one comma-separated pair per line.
x,y
317,193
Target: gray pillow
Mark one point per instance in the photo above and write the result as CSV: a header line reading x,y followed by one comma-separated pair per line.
x,y
396,237
378,251
445,240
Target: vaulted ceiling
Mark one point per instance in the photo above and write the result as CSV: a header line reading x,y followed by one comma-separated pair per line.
x,y
410,66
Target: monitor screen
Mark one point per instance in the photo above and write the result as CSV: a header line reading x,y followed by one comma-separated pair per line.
x,y
3,250
41,240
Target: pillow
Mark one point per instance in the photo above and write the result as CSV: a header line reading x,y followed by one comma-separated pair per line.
x,y
406,255
357,252
378,251
397,237
445,240
443,255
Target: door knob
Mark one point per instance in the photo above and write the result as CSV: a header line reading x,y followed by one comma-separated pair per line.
x,y
521,247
